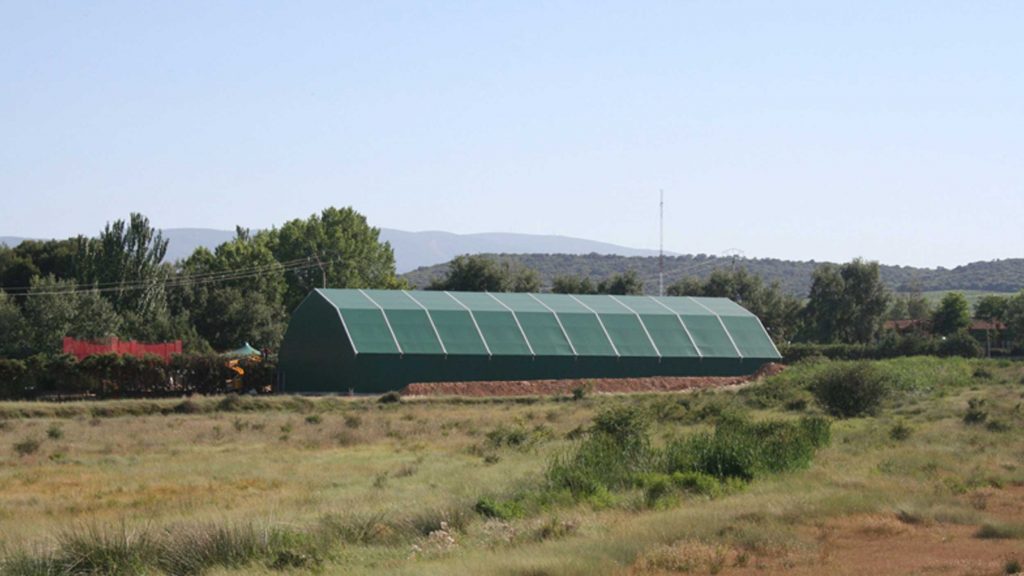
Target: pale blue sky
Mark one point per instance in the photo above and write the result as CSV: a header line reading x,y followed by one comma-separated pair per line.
x,y
824,130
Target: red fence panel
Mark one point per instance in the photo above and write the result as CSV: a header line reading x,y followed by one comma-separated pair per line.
x,y
83,348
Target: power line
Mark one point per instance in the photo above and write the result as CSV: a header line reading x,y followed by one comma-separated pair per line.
x,y
182,281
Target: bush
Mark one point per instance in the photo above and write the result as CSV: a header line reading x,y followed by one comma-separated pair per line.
x,y
976,412
850,390
960,344
390,398
55,432
502,510
12,379
900,431
187,407
27,446
697,483
744,450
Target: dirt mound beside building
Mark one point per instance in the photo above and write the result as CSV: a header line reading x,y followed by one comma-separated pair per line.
x,y
590,385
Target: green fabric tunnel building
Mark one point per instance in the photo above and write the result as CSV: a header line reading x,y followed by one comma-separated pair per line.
x,y
372,341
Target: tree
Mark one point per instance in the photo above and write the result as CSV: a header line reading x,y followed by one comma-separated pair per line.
x,y
521,278
229,307
55,309
991,307
779,312
1013,317
126,261
622,284
847,303
918,307
468,273
952,315
910,305
474,273
13,328
571,284
342,249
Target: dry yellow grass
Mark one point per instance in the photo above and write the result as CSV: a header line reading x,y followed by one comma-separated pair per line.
x,y
287,462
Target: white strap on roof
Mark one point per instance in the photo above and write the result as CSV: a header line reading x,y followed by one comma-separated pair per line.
x,y
772,341
735,347
600,323
342,318
642,325
386,321
681,323
516,318
429,319
559,320
473,318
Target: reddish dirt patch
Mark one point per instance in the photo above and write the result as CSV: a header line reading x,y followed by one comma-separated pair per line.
x,y
591,385
878,545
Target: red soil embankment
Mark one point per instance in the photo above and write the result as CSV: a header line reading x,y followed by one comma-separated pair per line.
x,y
591,385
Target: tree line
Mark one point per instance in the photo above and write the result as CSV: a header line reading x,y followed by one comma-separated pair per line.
x,y
847,304
794,277
117,283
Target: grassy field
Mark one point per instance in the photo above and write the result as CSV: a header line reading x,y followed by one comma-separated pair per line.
x,y
931,480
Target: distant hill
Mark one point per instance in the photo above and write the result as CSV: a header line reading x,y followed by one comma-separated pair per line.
x,y
794,277
414,249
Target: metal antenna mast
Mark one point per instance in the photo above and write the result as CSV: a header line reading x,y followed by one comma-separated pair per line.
x,y
661,243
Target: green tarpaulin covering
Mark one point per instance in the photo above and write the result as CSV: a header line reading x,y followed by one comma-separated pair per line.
x,y
375,340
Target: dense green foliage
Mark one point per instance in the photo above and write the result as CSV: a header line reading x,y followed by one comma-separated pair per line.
x,y
794,277
479,274
617,454
117,284
848,390
847,303
952,315
779,312
113,376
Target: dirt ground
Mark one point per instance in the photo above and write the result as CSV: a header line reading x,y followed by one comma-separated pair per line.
x,y
878,545
591,385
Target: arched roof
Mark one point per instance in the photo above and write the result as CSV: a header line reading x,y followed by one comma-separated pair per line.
x,y
526,324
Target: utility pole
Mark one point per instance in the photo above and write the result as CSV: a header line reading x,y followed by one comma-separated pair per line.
x,y
661,243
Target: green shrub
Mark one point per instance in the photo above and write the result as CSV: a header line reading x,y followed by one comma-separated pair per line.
x,y
817,429
741,449
390,398
976,412
849,390
55,432
656,487
1000,531
187,407
697,483
960,344
982,373
900,431
314,419
502,510
27,446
